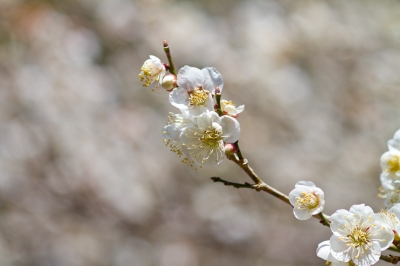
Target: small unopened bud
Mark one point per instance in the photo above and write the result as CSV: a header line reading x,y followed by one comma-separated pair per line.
x,y
169,82
230,149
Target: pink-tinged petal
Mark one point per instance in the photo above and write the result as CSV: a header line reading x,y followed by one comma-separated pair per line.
x,y
370,256
340,250
190,78
301,214
179,98
230,129
212,79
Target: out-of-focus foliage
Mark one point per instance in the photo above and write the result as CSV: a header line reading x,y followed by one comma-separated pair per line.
x,y
85,177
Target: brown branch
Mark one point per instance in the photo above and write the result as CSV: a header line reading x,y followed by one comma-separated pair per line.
x,y
391,259
261,186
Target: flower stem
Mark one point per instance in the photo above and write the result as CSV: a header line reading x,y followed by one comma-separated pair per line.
x,y
239,153
218,100
260,185
391,259
172,69
394,248
229,183
324,221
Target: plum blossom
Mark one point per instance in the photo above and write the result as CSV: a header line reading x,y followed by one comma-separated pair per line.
x,y
229,108
389,190
203,141
152,71
390,163
359,235
196,89
306,199
172,131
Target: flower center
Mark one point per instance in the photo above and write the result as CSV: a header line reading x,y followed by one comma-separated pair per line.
x,y
394,164
211,138
198,97
307,200
358,237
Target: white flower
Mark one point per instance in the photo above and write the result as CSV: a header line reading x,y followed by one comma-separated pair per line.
x,y
390,217
306,199
394,144
203,141
390,163
358,235
324,252
229,108
152,71
390,190
172,131
196,89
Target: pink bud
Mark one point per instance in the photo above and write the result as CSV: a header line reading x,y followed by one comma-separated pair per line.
x,y
230,149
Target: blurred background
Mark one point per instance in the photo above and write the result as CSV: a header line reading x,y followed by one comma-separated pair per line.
x,y
86,178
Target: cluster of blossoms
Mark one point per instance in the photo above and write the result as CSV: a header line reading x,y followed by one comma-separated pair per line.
x,y
390,176
359,235
205,130
205,124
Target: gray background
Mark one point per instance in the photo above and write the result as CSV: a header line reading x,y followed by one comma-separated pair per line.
x,y
86,178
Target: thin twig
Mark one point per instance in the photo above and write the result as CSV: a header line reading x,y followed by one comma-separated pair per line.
x,y
172,69
261,186
233,184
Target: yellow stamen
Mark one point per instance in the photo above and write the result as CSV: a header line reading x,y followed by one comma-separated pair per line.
x,y
307,200
198,97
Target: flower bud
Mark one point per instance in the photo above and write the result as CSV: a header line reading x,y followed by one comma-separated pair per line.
x,y
169,82
230,149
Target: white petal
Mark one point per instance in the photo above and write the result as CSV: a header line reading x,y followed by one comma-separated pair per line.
x,y
324,249
338,219
384,233
240,109
205,120
340,250
171,132
386,181
156,61
231,129
305,183
301,214
179,98
370,256
394,144
190,78
361,210
396,210
212,79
